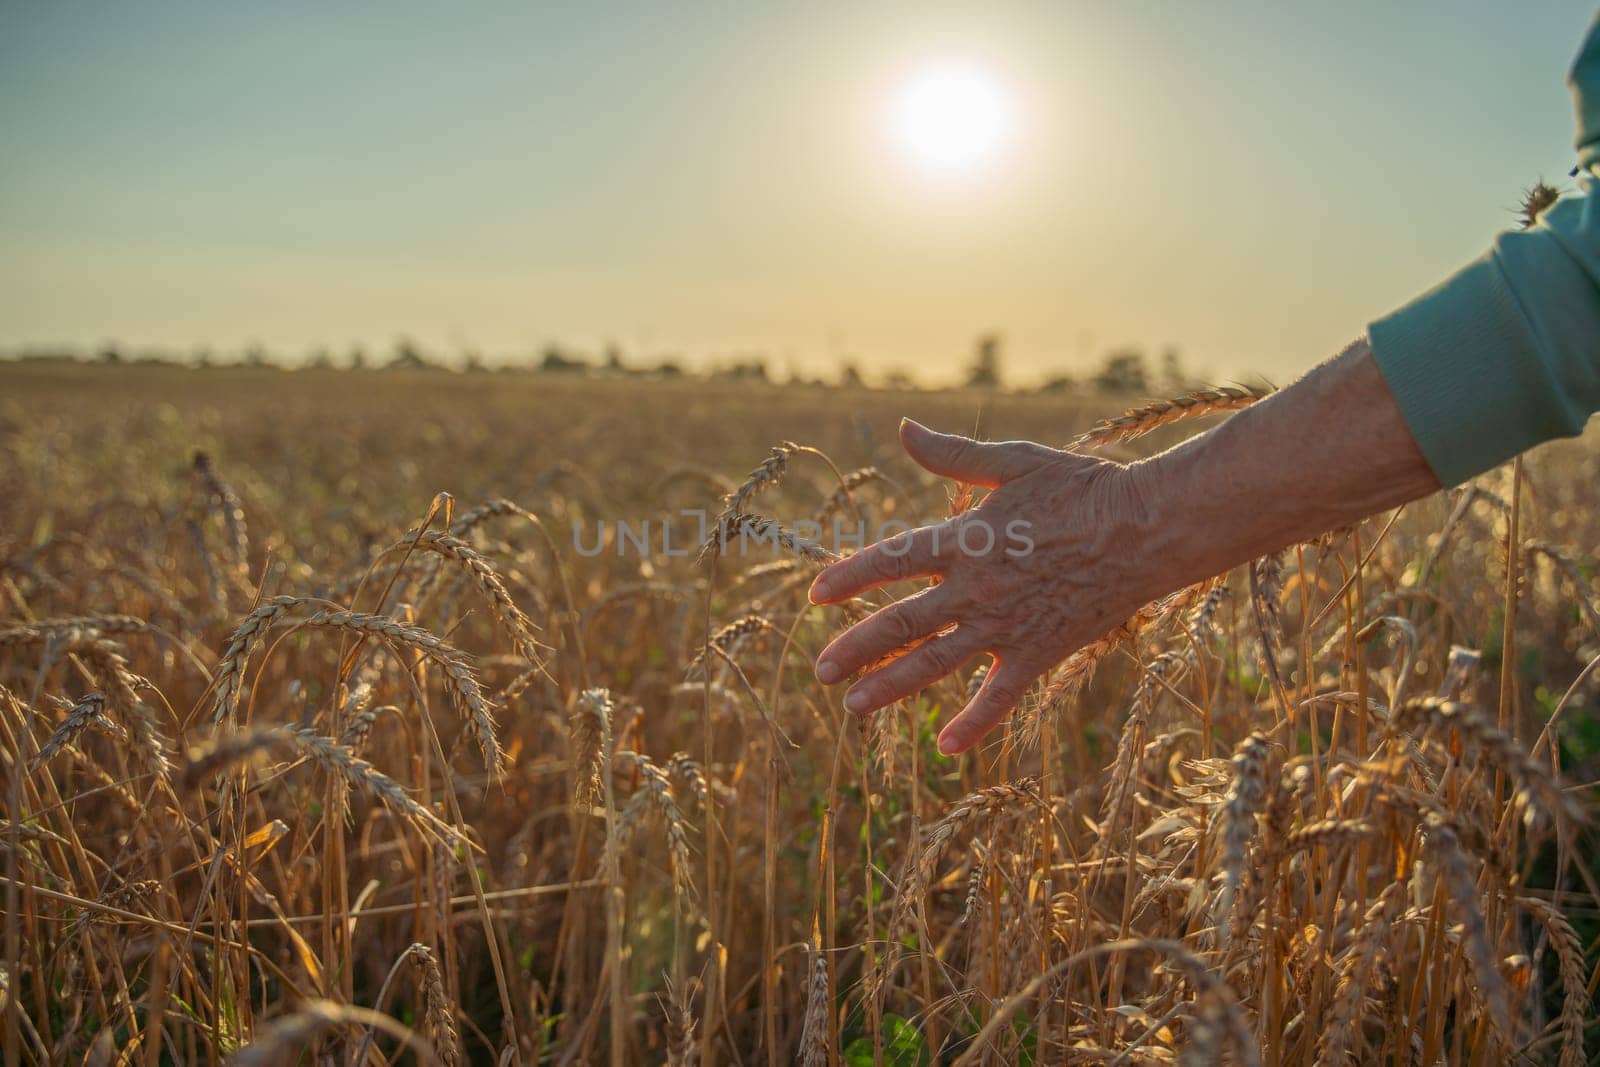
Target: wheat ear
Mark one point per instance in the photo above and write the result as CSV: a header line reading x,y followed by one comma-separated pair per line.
x,y
1354,969
1136,422
1449,862
1576,1003
655,794
511,618
436,1006
1239,810
474,707
814,1036
589,732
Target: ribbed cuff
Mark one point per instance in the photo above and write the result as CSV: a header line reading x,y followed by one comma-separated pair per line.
x,y
1463,367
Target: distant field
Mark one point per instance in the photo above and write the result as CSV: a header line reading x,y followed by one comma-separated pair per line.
x,y
240,824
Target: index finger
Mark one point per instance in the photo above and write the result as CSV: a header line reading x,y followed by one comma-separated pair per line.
x,y
911,554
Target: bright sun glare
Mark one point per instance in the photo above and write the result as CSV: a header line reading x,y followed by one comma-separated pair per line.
x,y
952,119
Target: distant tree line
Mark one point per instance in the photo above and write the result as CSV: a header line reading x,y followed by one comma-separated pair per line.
x,y
1122,371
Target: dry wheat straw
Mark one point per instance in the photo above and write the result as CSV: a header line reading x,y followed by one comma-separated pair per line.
x,y
1218,1019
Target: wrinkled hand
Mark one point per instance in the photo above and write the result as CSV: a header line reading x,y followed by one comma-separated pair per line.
x,y
1048,561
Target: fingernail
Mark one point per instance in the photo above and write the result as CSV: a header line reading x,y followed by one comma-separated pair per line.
x,y
857,700
828,671
819,591
948,746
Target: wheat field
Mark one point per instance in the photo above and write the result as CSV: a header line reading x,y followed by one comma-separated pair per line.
x,y
342,724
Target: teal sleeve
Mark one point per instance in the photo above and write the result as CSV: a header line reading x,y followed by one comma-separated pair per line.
x,y
1506,354
1585,82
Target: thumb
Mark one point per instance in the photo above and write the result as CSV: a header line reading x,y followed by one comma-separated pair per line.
x,y
985,463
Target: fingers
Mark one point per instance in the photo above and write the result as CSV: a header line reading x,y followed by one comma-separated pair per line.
x,y
912,554
890,628
1002,690
916,670
985,463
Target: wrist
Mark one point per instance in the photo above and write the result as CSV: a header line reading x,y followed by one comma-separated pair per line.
x,y
1186,538
1329,450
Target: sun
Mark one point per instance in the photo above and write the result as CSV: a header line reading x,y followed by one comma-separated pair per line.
x,y
952,119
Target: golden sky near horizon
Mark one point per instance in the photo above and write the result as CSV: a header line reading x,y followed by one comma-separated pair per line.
x,y
1251,183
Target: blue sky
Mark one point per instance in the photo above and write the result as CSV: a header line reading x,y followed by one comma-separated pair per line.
x,y
1252,182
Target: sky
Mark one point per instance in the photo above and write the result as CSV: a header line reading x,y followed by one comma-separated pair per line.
x,y
1249,182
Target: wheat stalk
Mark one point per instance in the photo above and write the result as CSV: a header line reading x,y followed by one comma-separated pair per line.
x,y
502,607
1239,810
1576,1001
740,528
228,676
45,630
228,506
655,795
1443,851
1354,969
843,494
336,759
681,1050
765,476
814,1039
589,731
724,639
436,1006
990,801
109,668
1537,788
1136,422
1329,833
89,710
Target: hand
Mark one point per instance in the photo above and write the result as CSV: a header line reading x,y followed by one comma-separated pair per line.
x,y
1047,562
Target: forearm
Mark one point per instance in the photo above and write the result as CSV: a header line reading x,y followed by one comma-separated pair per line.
x,y
1328,450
